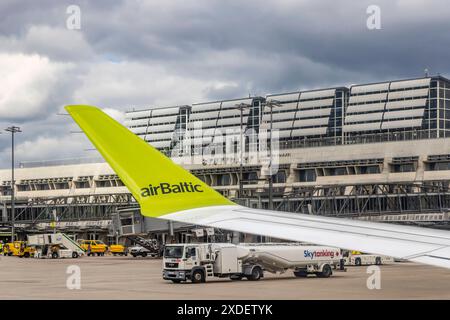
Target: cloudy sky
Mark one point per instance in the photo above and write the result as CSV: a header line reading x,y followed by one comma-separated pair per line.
x,y
136,54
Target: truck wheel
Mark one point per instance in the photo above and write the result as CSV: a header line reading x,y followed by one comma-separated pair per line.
x,y
134,255
176,281
256,274
26,254
55,255
301,274
326,272
358,262
144,254
74,255
197,276
378,261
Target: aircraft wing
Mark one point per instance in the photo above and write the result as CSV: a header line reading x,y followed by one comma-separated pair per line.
x,y
167,191
417,244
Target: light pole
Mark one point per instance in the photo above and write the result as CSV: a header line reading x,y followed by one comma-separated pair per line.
x,y
271,104
13,130
241,107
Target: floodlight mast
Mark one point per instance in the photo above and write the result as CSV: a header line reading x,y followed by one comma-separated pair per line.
x,y
13,130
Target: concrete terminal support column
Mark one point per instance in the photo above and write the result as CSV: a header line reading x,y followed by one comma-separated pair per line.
x,y
236,237
171,228
171,232
4,213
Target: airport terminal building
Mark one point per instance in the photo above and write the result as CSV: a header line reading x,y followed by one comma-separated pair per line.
x,y
378,151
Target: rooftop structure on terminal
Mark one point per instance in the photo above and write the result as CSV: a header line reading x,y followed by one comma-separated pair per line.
x,y
392,110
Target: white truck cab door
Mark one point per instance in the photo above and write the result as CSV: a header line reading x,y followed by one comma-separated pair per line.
x,y
191,256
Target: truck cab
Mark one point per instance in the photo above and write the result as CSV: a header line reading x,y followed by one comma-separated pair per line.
x,y
198,262
178,261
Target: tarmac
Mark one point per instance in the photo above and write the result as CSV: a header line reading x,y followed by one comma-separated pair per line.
x,y
111,277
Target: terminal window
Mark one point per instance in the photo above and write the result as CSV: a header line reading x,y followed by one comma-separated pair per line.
x,y
307,175
369,169
440,166
339,171
406,167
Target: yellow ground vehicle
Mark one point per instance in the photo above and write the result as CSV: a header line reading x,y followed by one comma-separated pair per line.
x,y
20,249
8,249
118,249
93,247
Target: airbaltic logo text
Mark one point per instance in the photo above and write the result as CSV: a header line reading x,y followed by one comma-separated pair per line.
x,y
318,254
167,188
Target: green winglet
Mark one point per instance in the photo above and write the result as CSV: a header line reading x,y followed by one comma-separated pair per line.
x,y
158,184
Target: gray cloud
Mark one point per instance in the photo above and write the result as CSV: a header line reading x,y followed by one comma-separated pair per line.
x,y
156,53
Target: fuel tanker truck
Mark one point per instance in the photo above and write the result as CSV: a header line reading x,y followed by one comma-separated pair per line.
x,y
204,261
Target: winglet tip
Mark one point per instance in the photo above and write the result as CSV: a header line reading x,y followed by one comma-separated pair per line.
x,y
74,107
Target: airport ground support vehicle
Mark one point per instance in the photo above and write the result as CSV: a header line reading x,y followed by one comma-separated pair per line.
x,y
204,261
55,245
7,249
19,249
93,247
145,247
137,251
118,250
357,258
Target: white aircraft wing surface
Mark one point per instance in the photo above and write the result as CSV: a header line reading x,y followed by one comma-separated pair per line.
x,y
429,246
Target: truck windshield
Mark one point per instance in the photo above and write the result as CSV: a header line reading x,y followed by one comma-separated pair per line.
x,y
173,252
